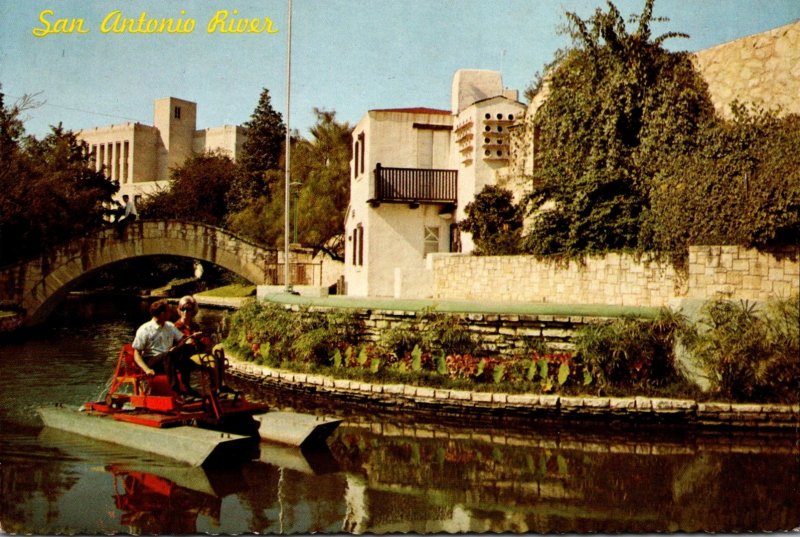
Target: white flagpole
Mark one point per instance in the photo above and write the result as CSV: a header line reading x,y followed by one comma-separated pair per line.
x,y
287,283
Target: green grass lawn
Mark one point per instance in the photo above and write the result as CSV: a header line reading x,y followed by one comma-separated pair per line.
x,y
234,290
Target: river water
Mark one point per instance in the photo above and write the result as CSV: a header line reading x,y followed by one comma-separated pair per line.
x,y
379,473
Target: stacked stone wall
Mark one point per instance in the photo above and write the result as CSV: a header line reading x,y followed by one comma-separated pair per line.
x,y
504,334
762,68
444,403
617,279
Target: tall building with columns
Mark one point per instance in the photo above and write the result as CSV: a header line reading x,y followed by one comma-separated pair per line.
x,y
140,156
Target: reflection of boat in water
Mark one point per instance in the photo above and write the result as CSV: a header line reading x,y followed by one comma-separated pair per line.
x,y
314,460
152,503
144,413
158,496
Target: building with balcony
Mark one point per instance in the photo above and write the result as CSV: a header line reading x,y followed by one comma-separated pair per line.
x,y
140,156
413,172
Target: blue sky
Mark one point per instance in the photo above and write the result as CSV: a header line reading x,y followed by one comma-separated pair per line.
x,y
347,55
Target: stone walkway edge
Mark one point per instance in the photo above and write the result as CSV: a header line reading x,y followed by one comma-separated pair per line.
x,y
645,409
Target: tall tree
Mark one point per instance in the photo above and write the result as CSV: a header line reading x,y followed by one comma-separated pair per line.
x,y
322,166
261,152
321,173
619,105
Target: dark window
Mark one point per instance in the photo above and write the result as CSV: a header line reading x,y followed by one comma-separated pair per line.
x,y
177,112
361,139
356,156
358,246
360,231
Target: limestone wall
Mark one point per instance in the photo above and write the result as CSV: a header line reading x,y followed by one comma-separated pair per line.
x,y
714,271
463,404
762,68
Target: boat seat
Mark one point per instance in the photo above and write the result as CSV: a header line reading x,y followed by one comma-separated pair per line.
x,y
127,367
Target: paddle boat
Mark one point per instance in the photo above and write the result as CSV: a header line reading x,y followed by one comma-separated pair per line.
x,y
143,412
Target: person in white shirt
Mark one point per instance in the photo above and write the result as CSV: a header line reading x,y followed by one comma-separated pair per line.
x,y
158,347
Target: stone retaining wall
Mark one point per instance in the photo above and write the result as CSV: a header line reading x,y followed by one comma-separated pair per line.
x,y
447,402
503,334
731,272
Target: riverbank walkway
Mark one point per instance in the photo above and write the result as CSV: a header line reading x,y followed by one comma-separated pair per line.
x,y
450,306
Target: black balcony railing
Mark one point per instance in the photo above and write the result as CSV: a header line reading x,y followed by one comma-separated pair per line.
x,y
415,185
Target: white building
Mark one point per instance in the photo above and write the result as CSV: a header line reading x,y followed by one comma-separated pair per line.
x,y
413,172
140,156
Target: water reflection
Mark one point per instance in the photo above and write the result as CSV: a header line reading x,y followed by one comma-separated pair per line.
x,y
551,484
378,474
150,503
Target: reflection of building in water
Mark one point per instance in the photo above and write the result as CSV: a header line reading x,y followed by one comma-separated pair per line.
x,y
356,500
423,480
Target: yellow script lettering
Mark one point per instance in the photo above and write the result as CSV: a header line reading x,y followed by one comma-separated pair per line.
x,y
59,26
223,23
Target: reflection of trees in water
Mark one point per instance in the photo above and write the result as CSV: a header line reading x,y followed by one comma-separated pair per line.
x,y
543,487
23,479
746,486
292,501
260,495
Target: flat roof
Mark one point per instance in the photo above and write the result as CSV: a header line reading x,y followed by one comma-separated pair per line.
x,y
415,110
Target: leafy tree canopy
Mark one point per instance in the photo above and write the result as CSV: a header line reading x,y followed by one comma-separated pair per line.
x,y
198,190
742,186
49,193
618,105
321,173
494,221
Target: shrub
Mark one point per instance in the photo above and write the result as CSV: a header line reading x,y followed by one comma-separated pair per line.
x,y
270,334
446,333
432,332
400,340
630,352
750,355
494,221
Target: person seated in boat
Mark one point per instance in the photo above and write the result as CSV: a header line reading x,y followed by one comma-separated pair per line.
x,y
207,356
160,347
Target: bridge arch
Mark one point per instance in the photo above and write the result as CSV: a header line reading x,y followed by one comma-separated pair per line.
x,y
38,285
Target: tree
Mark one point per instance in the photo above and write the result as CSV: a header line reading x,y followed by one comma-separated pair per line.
x,y
52,193
619,107
261,152
741,186
321,166
494,222
198,190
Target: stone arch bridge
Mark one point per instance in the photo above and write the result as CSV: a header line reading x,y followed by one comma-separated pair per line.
x,y
37,286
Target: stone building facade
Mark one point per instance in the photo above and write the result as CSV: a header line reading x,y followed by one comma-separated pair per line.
x,y
140,156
